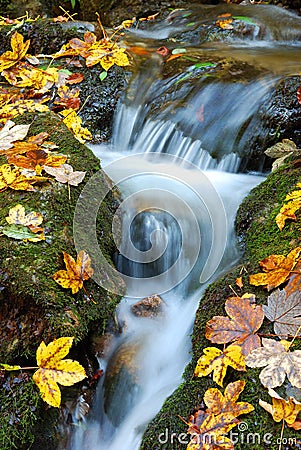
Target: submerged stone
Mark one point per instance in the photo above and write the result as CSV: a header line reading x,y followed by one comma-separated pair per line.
x,y
148,307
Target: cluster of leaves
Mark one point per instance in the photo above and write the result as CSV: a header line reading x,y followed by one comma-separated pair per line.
x,y
52,369
25,71
247,348
105,51
26,160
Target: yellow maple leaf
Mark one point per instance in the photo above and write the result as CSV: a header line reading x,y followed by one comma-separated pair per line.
x,y
76,272
53,369
277,269
288,210
218,403
21,76
12,178
107,56
216,361
31,220
19,107
282,409
19,47
17,216
208,431
74,123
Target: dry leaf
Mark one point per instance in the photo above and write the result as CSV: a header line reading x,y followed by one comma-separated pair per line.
x,y
53,369
217,403
280,363
75,78
239,282
284,311
74,123
19,47
18,217
11,133
287,212
245,319
19,107
23,76
282,409
224,21
29,221
294,280
65,174
12,178
107,56
75,273
277,269
208,431
36,159
217,361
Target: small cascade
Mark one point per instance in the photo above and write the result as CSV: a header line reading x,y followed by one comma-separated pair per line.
x,y
175,164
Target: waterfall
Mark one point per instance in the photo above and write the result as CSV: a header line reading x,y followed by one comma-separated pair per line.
x,y
175,165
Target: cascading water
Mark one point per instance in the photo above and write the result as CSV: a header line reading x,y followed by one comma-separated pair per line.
x,y
180,194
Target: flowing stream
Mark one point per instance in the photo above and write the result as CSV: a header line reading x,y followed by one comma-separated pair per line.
x,y
180,192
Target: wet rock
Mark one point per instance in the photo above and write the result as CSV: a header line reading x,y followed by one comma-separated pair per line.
x,y
101,345
277,118
148,307
121,383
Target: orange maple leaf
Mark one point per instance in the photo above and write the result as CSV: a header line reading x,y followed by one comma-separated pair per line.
x,y
19,47
36,159
76,272
277,269
245,318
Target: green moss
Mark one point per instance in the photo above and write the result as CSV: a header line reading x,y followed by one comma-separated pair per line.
x,y
29,267
19,402
256,226
33,306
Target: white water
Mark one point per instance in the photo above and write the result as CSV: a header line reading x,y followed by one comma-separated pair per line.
x,y
194,201
179,202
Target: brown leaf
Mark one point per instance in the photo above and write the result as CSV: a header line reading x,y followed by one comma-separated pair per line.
x,y
299,95
75,78
36,159
277,269
294,281
245,319
208,431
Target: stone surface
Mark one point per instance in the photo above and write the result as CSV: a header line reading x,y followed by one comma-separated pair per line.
x,y
148,307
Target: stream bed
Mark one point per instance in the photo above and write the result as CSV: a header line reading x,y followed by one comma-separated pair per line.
x,y
176,156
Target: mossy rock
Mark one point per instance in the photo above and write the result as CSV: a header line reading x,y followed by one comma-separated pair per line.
x,y
257,228
98,98
33,307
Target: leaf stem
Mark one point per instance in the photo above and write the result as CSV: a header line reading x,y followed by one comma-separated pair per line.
x,y
281,435
296,334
